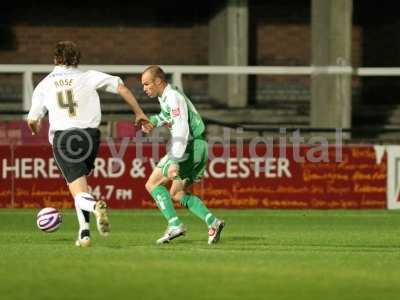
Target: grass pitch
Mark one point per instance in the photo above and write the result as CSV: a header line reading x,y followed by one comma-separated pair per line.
x,y
263,254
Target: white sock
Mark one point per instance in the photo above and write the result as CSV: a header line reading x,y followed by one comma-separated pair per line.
x,y
85,201
83,225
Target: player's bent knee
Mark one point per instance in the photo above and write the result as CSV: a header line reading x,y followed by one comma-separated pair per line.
x,y
155,180
149,186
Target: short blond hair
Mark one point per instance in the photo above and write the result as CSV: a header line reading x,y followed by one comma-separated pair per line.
x,y
156,72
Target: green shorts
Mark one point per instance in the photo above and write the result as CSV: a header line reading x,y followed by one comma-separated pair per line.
x,y
194,166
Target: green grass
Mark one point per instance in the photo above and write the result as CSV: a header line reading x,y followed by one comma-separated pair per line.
x,y
263,254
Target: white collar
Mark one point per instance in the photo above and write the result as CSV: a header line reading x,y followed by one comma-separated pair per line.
x,y
63,68
166,89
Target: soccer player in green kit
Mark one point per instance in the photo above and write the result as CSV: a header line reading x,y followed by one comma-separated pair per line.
x,y
184,163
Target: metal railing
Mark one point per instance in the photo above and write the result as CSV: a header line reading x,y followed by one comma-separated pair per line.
x,y
27,71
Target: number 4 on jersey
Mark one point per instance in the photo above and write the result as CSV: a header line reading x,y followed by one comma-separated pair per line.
x,y
66,100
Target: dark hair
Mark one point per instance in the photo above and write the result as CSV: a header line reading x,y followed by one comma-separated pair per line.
x,y
67,53
156,71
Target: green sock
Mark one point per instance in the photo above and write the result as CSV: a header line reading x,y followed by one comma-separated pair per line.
x,y
197,207
161,195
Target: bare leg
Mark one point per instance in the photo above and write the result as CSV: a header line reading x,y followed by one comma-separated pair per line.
x,y
78,186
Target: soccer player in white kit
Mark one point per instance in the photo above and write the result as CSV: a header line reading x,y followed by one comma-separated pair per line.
x,y
71,99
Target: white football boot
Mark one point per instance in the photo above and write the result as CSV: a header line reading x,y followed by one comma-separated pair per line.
x,y
214,231
83,239
171,233
100,211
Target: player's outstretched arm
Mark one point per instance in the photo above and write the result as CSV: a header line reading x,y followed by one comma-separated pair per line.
x,y
129,98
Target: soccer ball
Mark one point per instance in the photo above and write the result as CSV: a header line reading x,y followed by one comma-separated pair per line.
x,y
49,219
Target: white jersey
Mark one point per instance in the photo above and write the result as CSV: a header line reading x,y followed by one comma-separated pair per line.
x,y
70,96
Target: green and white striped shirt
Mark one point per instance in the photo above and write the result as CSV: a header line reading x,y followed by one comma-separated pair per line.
x,y
181,117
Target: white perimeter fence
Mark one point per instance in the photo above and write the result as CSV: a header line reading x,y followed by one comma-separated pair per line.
x,y
27,72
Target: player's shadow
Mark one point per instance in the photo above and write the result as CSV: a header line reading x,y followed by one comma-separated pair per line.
x,y
180,242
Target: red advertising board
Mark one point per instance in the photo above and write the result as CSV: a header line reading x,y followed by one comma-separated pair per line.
x,y
299,179
288,177
6,184
37,180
